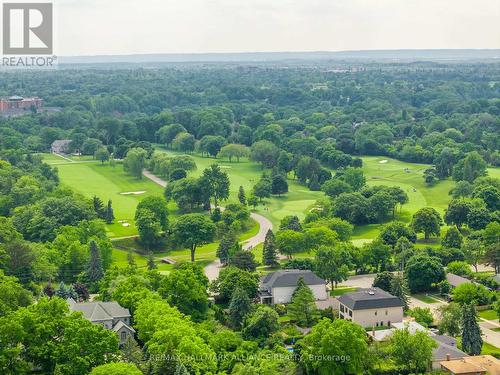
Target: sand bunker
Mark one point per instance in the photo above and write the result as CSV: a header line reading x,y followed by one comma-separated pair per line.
x,y
383,161
133,192
126,224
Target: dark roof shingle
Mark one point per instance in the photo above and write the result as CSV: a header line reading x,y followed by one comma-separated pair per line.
x,y
372,298
287,278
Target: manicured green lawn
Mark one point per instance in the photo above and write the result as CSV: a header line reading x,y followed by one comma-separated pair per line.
x,y
109,182
392,173
490,349
488,314
342,290
424,298
298,201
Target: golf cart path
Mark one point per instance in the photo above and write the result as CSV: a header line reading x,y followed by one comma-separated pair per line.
x,y
213,269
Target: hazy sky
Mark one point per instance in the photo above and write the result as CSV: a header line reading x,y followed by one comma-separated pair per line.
x,y
86,27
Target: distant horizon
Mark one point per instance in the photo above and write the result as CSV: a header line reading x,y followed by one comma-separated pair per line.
x,y
283,52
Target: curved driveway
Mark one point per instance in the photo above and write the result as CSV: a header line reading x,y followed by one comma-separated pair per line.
x,y
213,269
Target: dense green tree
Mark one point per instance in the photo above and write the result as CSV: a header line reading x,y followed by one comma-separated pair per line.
x,y
135,161
422,315
452,238
241,195
422,271
337,339
269,251
457,212
232,150
149,228
470,167
12,295
158,206
109,216
279,185
102,154
412,351
428,221
244,260
291,222
186,288
335,187
393,231
473,251
216,181
332,264
354,177
29,333
94,271
231,278
265,152
263,188
399,288
450,319
472,342
470,293
239,307
383,280
261,324
119,368
289,242
302,309
193,230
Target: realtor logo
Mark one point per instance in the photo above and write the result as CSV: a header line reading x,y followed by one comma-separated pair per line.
x,y
27,29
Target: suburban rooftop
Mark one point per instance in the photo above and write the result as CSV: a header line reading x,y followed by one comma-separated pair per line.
x,y
287,278
369,298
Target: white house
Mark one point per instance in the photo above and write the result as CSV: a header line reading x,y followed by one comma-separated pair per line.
x,y
278,287
371,307
110,314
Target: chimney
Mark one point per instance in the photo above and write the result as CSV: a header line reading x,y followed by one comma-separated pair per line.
x,y
448,357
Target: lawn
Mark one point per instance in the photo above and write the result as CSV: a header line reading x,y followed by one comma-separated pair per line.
x,y
424,298
488,314
298,201
107,182
342,290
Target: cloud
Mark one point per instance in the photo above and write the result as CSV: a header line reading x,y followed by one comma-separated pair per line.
x,y
169,26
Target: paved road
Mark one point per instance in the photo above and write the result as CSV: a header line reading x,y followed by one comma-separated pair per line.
x,y
154,178
213,269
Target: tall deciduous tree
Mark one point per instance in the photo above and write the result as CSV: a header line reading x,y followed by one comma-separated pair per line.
x,y
216,182
193,230
428,221
135,161
149,227
333,340
412,351
332,264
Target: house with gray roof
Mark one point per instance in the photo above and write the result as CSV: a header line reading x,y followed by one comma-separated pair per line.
x,y
456,280
447,350
371,307
278,287
110,314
